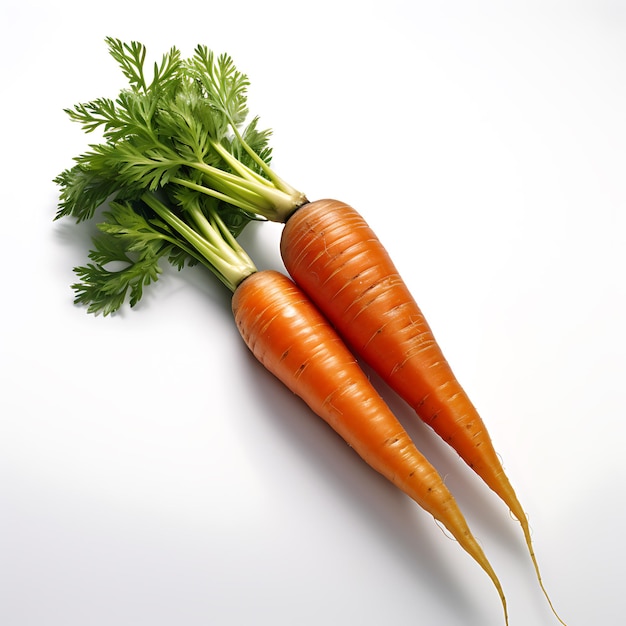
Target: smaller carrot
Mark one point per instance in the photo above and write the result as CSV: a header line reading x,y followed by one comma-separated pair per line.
x,y
291,339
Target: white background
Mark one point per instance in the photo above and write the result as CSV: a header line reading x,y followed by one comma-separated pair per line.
x,y
153,474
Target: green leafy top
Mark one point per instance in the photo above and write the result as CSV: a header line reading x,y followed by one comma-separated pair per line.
x,y
179,169
136,234
184,128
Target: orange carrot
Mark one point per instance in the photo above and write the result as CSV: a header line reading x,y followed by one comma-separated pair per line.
x,y
283,329
292,339
337,260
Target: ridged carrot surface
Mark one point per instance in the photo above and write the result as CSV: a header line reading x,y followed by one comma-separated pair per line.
x,y
291,338
335,257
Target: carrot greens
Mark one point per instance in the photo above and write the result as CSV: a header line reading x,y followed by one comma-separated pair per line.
x,y
136,234
181,169
187,126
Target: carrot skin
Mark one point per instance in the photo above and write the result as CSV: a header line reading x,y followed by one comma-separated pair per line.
x,y
295,342
337,260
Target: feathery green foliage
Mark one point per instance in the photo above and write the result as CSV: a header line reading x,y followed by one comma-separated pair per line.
x,y
180,168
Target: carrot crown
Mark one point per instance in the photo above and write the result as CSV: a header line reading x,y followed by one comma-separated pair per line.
x,y
178,171
183,128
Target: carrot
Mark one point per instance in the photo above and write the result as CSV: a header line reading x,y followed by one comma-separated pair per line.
x,y
337,260
280,325
186,174
292,339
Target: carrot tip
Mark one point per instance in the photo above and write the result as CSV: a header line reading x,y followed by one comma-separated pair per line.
x,y
526,530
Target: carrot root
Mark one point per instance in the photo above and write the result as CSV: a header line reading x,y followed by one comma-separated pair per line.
x,y
335,257
291,338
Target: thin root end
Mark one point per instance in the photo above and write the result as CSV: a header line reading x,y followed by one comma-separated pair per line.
x,y
526,529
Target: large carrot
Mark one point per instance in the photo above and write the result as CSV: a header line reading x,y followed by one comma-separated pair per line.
x,y
184,134
292,339
335,257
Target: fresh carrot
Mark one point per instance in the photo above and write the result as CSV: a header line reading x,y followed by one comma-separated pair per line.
x,y
337,260
183,134
292,339
280,325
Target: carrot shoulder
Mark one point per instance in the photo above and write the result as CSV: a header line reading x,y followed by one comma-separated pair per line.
x,y
291,338
335,257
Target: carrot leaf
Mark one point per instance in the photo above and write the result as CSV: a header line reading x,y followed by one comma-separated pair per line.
x,y
189,117
125,258
135,235
180,170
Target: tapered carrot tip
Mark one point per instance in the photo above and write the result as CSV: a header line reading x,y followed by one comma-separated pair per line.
x,y
526,529
501,594
470,545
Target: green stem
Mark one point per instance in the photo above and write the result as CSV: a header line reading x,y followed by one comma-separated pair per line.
x,y
229,264
279,183
214,231
209,191
241,168
251,193
270,202
258,196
